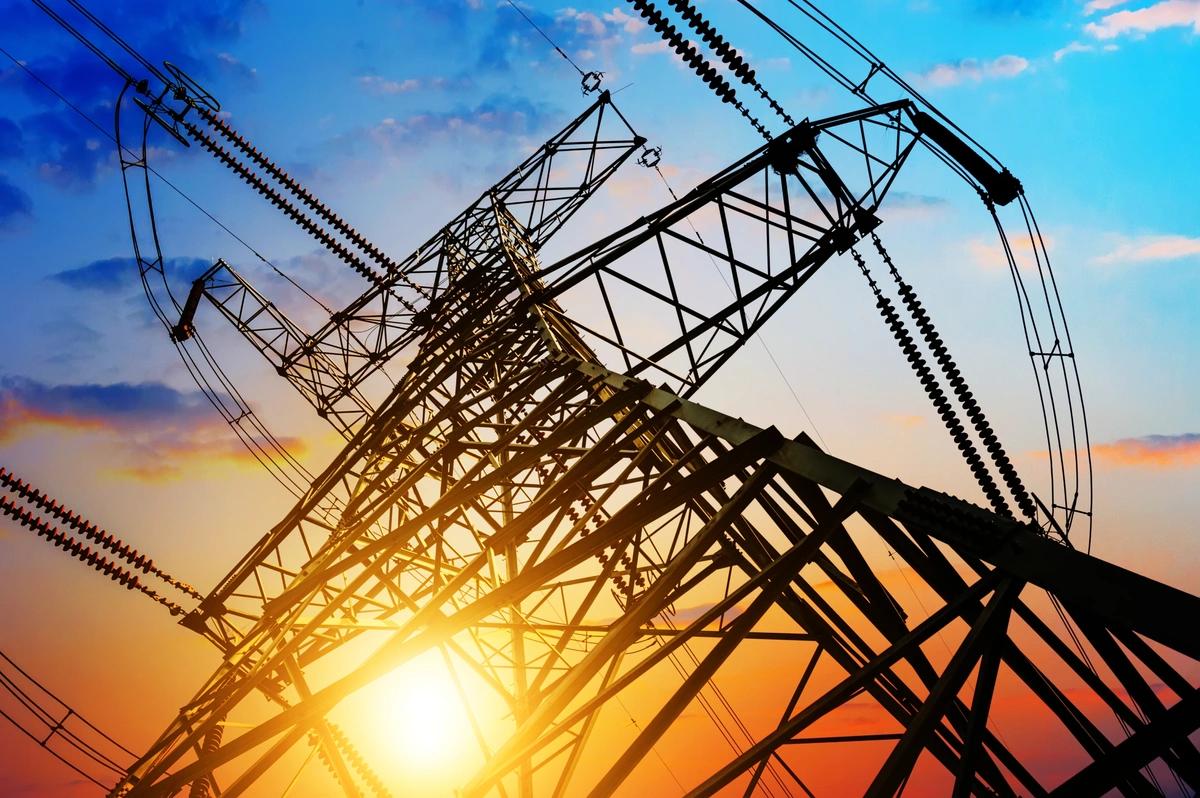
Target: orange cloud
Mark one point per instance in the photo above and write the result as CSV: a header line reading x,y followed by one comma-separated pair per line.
x,y
1152,451
149,431
16,417
169,458
989,254
906,420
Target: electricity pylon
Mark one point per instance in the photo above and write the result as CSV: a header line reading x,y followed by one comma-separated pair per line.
x,y
512,493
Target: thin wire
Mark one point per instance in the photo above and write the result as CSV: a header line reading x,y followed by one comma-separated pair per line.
x,y
169,184
757,336
547,38
653,748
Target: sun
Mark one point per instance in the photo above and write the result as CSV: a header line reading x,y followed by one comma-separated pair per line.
x,y
424,713
415,724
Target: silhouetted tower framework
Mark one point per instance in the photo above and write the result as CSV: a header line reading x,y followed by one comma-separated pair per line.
x,y
539,502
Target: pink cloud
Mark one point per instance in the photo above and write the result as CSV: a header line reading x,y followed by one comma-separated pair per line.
x,y
1102,5
1152,451
1152,247
1140,21
989,254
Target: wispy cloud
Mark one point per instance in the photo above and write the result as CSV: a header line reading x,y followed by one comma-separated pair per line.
x,y
1140,249
149,431
493,119
64,149
1071,49
647,48
1141,21
685,615
377,84
15,205
989,254
627,22
914,206
1102,5
971,70
113,275
232,65
1152,451
905,420
12,143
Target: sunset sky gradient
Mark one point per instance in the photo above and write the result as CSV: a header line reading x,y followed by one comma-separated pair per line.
x,y
398,113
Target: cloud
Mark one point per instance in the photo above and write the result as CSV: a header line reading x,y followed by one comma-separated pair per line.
x,y
583,35
11,144
687,615
907,205
113,275
647,48
15,205
989,254
1072,48
149,430
65,149
970,70
1152,451
494,119
1102,5
377,84
905,420
1151,248
627,22
1140,21
231,65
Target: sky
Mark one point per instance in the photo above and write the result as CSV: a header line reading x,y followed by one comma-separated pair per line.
x,y
399,113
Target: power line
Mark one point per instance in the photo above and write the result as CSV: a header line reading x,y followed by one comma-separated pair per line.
x,y
557,49
87,118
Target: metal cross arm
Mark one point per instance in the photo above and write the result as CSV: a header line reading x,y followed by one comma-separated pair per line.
x,y
769,222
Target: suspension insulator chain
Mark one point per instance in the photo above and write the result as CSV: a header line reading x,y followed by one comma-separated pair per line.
x,y
936,395
575,510
321,209
280,202
84,554
92,532
699,64
203,786
731,57
954,376
358,762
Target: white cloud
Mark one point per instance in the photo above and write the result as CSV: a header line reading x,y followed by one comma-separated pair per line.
x,y
1140,21
1073,47
970,70
646,48
1140,249
586,23
628,22
377,84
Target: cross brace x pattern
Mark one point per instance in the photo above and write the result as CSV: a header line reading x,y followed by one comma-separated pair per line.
x,y
563,531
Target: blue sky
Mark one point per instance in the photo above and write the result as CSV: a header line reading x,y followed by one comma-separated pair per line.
x,y
398,113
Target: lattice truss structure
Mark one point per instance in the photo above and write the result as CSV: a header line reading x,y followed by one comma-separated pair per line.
x,y
539,503
542,521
